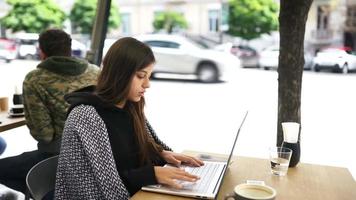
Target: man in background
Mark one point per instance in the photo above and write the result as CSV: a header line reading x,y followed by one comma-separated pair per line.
x,y
45,108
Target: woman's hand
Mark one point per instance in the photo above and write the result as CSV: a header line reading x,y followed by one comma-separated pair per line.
x,y
171,175
178,158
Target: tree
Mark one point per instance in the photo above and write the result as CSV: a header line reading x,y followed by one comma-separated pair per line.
x,y
169,21
249,19
292,18
33,15
82,16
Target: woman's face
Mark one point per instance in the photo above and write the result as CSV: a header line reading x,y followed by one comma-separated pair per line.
x,y
139,84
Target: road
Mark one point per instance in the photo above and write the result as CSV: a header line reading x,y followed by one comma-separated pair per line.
x,y
205,117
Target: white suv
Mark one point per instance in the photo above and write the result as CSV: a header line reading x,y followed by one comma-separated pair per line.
x,y
179,55
28,43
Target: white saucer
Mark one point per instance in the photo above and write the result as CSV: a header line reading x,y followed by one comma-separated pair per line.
x,y
16,114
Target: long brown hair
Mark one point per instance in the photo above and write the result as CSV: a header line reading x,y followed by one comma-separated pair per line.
x,y
124,58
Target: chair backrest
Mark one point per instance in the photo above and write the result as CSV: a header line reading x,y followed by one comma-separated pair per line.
x,y
41,178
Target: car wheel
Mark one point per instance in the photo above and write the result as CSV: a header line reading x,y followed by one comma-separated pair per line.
x,y
29,57
266,68
8,60
207,73
345,69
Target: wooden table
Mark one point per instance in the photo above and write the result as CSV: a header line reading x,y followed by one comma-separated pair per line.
x,y
8,122
304,182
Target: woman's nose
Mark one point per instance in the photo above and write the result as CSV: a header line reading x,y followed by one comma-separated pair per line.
x,y
146,83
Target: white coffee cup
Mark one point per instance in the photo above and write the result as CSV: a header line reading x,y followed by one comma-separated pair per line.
x,y
290,131
246,191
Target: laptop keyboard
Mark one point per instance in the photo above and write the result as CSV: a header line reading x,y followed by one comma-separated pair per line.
x,y
206,174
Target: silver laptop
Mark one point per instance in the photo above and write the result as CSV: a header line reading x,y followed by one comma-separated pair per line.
x,y
211,175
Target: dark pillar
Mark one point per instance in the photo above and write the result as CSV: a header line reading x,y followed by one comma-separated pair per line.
x,y
95,53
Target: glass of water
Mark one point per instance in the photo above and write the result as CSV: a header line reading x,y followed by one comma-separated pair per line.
x,y
279,158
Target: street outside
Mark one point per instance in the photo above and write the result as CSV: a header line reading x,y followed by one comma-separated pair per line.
x,y
205,117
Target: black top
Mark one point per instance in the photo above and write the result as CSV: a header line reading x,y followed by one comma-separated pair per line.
x,y
122,138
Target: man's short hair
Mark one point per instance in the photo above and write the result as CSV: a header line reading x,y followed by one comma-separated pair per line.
x,y
55,42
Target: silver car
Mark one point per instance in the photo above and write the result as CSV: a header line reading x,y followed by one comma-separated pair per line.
x,y
179,55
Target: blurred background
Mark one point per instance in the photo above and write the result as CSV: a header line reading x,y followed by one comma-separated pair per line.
x,y
215,59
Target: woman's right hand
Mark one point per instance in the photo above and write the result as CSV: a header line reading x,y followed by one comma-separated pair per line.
x,y
170,175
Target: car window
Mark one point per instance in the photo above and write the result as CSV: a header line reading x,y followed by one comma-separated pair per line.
x,y
27,42
164,44
198,43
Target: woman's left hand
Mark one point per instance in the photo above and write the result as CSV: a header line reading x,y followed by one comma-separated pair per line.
x,y
178,158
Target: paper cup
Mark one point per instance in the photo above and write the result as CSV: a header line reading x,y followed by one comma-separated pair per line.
x,y
4,104
290,131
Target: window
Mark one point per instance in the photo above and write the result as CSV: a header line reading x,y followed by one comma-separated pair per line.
x,y
323,17
126,23
351,16
213,20
162,44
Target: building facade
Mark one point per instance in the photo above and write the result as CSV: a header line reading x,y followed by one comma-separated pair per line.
x,y
326,24
203,16
330,22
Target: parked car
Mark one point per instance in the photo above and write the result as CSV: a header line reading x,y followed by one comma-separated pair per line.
x,y
78,49
269,58
8,50
27,44
107,44
335,59
249,56
179,55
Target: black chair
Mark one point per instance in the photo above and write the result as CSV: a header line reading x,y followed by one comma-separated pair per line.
x,y
41,178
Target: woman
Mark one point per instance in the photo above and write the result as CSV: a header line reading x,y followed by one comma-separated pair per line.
x,y
109,150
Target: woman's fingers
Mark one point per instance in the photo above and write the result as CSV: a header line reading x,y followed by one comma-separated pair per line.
x,y
192,161
186,178
173,183
201,163
181,175
172,176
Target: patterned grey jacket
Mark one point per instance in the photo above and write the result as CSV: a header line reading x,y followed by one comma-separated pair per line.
x,y
86,166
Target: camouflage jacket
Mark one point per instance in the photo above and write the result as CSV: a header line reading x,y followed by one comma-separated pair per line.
x,y
43,93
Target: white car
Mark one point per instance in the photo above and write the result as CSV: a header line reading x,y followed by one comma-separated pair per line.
x,y
107,44
78,49
334,59
179,55
28,43
269,58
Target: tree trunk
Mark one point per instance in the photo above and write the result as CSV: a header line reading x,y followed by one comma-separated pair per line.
x,y
292,19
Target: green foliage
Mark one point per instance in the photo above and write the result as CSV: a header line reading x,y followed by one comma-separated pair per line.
x,y
33,15
82,16
251,18
169,21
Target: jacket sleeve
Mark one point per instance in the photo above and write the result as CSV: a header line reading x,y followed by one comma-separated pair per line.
x,y
37,115
86,167
136,178
155,137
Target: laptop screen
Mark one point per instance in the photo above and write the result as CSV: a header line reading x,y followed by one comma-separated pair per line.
x,y
232,150
233,145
